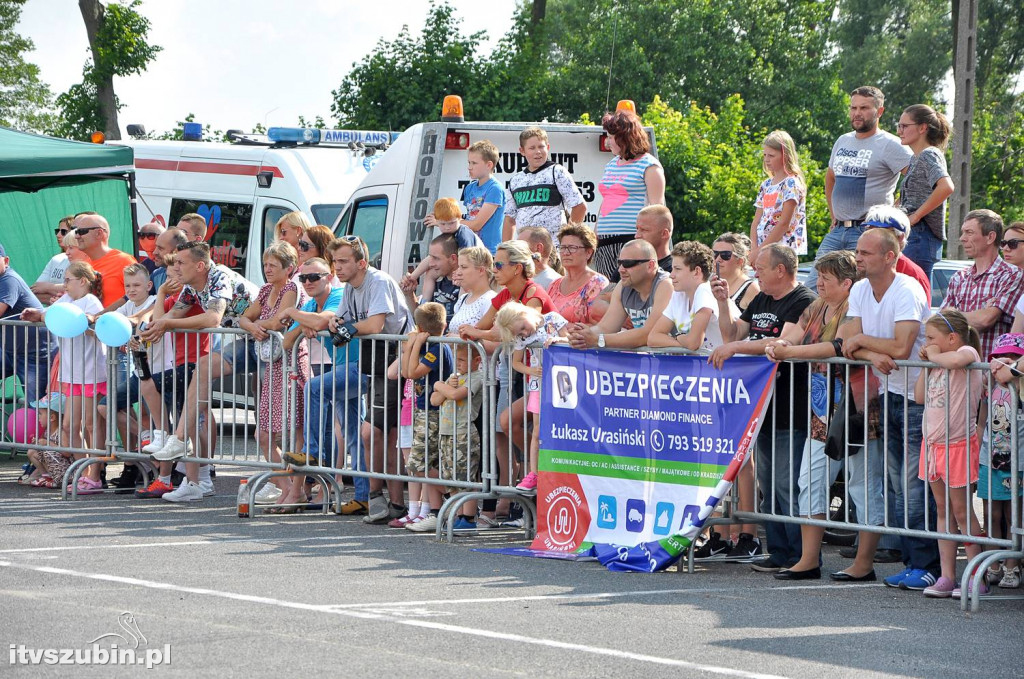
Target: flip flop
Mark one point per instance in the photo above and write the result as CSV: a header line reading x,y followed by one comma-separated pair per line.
x,y
43,482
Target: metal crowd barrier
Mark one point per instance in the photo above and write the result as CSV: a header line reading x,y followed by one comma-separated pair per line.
x,y
207,411
893,479
357,393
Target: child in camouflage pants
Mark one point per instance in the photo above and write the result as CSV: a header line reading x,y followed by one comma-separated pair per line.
x,y
458,443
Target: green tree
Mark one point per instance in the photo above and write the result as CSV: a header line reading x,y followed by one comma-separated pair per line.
x,y
774,53
25,100
411,74
903,48
119,46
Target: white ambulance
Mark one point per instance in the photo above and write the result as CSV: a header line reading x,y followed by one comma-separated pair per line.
x,y
428,161
243,188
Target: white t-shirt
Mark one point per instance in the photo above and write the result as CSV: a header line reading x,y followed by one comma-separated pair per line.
x,y
903,301
469,313
546,277
161,354
83,359
54,270
681,311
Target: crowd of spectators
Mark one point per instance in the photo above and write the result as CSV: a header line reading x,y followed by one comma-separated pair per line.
x,y
520,268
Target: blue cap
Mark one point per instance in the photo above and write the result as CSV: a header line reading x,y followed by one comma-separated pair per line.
x,y
888,223
3,253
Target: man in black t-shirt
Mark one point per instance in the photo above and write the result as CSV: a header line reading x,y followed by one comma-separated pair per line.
x,y
781,302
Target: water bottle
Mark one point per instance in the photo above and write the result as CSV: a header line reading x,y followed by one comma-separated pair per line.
x,y
243,499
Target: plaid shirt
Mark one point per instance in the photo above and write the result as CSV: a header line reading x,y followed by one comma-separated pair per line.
x,y
1000,286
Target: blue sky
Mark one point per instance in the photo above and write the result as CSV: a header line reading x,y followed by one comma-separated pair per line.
x,y
238,62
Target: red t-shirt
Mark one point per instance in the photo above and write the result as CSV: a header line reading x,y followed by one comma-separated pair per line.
x,y
196,344
111,266
531,291
907,266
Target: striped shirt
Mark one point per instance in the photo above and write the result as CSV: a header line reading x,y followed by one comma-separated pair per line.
x,y
623,194
1000,286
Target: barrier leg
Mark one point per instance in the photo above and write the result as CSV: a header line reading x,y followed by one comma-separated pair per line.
x,y
975,572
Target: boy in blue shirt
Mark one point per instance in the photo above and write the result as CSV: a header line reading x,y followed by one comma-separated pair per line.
x,y
484,197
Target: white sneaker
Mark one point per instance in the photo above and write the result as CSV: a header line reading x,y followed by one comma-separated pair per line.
x,y
157,440
427,525
206,485
486,523
173,449
188,491
268,494
378,512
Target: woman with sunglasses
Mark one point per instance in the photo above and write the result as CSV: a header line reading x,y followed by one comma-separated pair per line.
x,y
313,243
576,294
731,251
1012,247
291,227
513,271
927,186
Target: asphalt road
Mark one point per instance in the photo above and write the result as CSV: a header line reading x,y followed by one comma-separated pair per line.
x,y
327,595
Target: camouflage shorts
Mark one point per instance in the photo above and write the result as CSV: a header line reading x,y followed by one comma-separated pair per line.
x,y
460,457
424,442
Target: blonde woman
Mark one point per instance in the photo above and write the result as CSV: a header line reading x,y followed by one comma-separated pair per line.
x,y
781,215
291,227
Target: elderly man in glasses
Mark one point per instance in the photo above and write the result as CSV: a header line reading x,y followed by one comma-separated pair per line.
x,y
636,303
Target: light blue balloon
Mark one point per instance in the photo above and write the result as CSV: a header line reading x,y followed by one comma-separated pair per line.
x,y
66,320
113,329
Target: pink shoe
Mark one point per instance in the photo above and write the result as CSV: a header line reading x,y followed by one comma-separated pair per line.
x,y
87,486
400,523
942,589
957,592
528,483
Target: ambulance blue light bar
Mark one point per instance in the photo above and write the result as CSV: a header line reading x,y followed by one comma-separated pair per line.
x,y
309,135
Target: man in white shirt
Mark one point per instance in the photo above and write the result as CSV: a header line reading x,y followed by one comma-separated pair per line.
x,y
887,314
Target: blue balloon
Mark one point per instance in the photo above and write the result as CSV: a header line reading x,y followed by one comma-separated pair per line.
x,y
113,329
66,320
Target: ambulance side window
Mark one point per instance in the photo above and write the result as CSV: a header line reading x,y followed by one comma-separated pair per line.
x,y
368,219
227,228
270,218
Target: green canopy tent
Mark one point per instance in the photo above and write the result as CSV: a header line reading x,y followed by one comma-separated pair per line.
x,y
44,178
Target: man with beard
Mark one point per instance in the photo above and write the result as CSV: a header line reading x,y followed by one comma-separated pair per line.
x,y
863,170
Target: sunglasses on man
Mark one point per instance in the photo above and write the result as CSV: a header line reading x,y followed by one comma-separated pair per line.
x,y
82,230
630,263
311,277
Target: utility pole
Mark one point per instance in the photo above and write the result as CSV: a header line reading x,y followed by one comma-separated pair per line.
x,y
965,48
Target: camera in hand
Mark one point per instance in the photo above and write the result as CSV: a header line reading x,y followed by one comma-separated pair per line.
x,y
343,334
